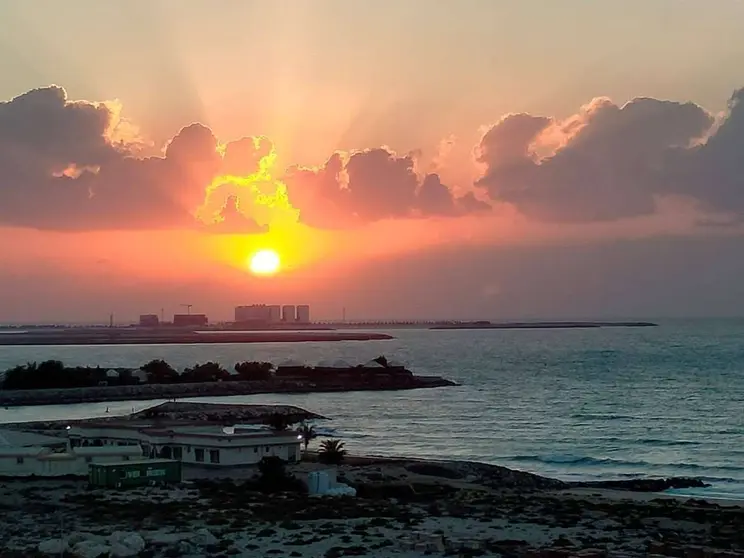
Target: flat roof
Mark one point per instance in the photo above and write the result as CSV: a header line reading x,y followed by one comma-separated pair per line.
x,y
189,429
19,438
135,462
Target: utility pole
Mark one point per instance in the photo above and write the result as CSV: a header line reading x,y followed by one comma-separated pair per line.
x,y
111,319
343,315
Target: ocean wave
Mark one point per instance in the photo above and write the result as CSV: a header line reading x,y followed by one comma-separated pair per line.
x,y
580,460
602,416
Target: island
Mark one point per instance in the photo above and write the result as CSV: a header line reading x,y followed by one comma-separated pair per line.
x,y
137,336
53,383
539,325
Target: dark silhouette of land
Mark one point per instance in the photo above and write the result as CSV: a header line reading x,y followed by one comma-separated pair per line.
x,y
50,382
137,336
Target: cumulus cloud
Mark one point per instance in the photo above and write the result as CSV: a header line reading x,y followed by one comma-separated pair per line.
x,y
371,185
76,165
606,162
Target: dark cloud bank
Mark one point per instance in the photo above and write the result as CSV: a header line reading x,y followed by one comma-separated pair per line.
x,y
61,167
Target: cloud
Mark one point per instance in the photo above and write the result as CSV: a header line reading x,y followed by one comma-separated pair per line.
x,y
75,165
605,162
371,185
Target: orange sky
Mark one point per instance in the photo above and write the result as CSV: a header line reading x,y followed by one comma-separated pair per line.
x,y
424,171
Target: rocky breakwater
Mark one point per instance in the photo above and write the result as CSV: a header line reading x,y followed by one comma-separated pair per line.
x,y
183,412
11,398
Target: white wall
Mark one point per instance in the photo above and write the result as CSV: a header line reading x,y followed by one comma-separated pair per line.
x,y
233,450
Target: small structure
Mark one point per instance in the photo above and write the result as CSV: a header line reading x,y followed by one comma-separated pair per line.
x,y
135,473
26,454
190,320
324,483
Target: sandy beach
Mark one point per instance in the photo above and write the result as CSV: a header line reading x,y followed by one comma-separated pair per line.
x,y
403,508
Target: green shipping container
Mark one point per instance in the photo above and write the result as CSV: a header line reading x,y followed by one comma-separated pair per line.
x,y
134,473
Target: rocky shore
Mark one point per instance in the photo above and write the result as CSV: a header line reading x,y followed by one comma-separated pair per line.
x,y
141,392
406,508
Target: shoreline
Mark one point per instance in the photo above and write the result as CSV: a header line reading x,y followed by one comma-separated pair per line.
x,y
147,392
403,507
134,337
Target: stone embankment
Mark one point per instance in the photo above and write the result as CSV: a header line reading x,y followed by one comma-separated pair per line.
x,y
14,398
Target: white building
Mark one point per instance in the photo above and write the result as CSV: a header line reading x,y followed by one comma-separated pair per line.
x,y
197,446
303,314
288,313
25,454
252,313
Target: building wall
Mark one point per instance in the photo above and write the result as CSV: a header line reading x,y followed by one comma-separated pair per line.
x,y
193,449
303,314
225,456
275,313
288,313
44,464
252,313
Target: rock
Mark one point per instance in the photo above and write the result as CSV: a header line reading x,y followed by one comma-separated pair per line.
x,y
78,536
203,537
126,544
645,485
90,549
53,547
119,550
164,539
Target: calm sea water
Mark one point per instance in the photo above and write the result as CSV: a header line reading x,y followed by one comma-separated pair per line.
x,y
573,404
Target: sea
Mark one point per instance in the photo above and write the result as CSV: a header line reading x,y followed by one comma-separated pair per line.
x,y
574,404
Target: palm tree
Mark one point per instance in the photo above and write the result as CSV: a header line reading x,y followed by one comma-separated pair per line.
x,y
331,452
307,431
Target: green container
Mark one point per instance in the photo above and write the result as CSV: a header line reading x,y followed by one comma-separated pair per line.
x,y
134,473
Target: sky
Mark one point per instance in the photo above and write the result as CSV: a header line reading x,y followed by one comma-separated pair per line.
x,y
481,159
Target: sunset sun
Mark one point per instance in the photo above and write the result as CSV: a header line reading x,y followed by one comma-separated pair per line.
x,y
264,262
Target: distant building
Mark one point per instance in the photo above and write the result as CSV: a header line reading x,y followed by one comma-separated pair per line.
x,y
303,314
275,313
190,320
288,313
258,313
149,320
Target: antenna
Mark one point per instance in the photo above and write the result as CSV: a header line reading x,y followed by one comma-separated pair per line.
x,y
188,308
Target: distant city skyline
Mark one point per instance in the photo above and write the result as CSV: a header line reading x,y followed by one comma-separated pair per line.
x,y
502,160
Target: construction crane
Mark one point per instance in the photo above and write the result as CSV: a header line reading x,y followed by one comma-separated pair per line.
x,y
188,308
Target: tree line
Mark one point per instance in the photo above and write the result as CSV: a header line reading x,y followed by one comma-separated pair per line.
x,y
53,374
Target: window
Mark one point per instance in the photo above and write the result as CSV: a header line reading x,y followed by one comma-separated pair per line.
x,y
266,448
126,458
19,460
88,459
178,453
214,456
255,449
199,454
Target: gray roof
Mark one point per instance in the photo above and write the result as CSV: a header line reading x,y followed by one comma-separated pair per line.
x,y
19,438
